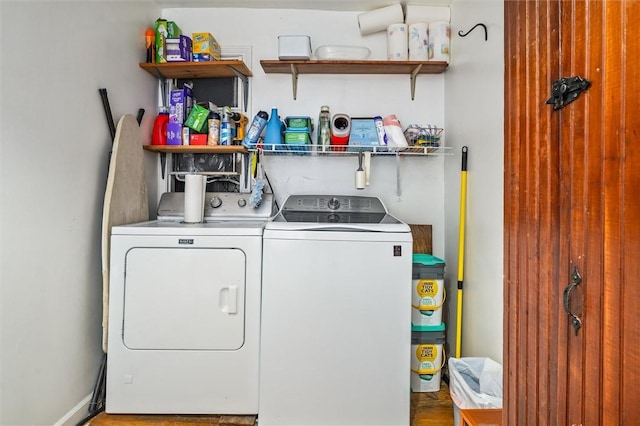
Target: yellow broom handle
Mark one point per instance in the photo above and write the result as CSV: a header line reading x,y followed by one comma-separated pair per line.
x,y
463,209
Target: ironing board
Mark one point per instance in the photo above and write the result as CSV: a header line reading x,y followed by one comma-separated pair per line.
x,y
125,198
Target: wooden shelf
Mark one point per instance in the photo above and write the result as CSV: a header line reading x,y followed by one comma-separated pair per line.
x,y
185,70
197,149
353,67
411,68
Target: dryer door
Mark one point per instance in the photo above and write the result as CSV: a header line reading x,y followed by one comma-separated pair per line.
x,y
178,298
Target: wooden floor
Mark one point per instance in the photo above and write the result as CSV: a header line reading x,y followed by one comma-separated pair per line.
x,y
427,409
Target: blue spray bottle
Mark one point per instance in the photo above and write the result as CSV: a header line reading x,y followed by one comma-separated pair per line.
x,y
255,129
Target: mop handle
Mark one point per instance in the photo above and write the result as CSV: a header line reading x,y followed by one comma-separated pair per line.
x,y
463,208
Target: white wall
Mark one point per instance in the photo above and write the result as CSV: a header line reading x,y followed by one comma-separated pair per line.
x,y
422,186
474,117
55,146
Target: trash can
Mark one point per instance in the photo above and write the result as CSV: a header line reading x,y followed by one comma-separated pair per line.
x,y
474,382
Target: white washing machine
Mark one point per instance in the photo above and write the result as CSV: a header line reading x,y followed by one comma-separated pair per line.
x,y
184,312
336,314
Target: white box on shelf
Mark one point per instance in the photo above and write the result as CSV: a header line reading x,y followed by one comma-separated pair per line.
x,y
294,47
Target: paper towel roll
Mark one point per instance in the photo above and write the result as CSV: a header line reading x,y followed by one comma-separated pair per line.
x,y
427,14
439,40
194,190
419,42
379,19
397,42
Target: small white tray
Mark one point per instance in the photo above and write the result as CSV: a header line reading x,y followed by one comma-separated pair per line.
x,y
342,52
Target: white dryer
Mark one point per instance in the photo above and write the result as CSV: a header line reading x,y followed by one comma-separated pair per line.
x,y
184,312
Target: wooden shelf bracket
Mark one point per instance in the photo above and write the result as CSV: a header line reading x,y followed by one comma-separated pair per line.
x,y
294,81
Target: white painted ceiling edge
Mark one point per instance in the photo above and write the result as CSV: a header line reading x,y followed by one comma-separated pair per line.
x,y
337,5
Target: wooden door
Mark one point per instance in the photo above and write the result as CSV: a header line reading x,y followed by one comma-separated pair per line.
x,y
572,199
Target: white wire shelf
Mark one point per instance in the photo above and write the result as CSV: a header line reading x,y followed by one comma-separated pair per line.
x,y
181,174
337,150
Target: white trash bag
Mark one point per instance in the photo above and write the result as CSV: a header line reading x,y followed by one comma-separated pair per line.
x,y
475,383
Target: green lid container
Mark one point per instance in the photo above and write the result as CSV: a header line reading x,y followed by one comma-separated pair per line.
x,y
298,122
421,334
427,266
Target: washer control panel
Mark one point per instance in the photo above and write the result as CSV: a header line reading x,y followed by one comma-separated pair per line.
x,y
332,203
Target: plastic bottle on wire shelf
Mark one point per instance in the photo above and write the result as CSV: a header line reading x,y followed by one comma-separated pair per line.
x,y
257,125
273,136
213,137
324,128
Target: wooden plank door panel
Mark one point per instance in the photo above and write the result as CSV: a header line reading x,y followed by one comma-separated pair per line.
x,y
572,198
531,218
621,221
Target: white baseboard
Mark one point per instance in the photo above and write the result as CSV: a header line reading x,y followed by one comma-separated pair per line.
x,y
77,413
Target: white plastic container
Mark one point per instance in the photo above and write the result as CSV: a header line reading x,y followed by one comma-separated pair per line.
x,y
294,47
342,52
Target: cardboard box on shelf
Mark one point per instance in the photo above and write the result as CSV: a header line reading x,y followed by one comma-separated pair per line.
x,y
180,104
178,49
174,134
161,36
197,118
205,43
198,139
173,30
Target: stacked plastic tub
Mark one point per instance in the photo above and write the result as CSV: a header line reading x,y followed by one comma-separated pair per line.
x,y
297,136
427,328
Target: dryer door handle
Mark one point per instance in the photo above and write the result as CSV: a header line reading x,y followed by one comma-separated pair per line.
x,y
231,295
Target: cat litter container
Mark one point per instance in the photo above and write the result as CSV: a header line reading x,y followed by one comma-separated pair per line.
x,y
428,290
427,357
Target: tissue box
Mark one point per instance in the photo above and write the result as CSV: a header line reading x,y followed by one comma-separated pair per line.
x,y
205,43
178,49
294,47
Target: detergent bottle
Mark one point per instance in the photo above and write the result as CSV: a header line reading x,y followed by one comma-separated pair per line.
x,y
273,135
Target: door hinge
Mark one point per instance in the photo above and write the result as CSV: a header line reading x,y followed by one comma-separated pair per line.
x,y
567,90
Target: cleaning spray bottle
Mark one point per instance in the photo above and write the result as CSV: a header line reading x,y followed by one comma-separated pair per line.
x,y
255,129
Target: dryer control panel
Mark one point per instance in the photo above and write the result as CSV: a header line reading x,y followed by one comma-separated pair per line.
x,y
218,206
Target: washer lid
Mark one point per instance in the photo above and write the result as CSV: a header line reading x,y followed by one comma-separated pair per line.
x,y
342,212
